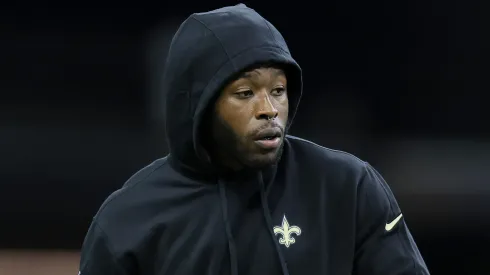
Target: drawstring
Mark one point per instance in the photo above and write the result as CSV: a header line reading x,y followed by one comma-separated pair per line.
x,y
231,242
268,220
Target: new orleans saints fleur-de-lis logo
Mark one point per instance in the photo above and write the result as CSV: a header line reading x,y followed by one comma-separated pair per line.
x,y
286,231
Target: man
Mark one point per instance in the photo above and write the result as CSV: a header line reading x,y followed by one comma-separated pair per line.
x,y
236,195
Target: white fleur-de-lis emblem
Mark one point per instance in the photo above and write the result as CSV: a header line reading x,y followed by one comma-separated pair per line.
x,y
286,231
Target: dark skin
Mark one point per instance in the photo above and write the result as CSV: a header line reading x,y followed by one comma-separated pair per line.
x,y
255,101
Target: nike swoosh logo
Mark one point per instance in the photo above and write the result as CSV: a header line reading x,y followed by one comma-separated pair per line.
x,y
391,225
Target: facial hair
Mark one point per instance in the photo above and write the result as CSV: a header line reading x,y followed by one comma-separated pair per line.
x,y
233,148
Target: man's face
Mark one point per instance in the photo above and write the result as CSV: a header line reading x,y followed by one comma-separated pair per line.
x,y
248,127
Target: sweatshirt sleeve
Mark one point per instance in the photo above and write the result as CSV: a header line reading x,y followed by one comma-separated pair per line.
x,y
97,257
384,244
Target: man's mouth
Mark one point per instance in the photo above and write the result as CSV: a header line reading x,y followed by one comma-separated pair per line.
x,y
269,138
269,134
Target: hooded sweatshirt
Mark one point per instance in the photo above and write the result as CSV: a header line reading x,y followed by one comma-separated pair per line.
x,y
318,211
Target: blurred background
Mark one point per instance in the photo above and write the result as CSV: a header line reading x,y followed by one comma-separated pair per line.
x,y
401,84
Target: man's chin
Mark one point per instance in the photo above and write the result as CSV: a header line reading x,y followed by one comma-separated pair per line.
x,y
264,160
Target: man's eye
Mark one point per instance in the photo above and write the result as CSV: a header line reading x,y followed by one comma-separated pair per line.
x,y
278,91
245,94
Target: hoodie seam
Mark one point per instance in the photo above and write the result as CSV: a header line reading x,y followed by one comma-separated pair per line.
x,y
217,38
270,30
110,248
361,162
230,58
379,181
124,190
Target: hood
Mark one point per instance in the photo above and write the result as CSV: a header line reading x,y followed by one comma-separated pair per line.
x,y
207,51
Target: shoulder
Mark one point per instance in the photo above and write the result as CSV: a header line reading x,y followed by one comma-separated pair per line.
x,y
132,186
308,153
118,217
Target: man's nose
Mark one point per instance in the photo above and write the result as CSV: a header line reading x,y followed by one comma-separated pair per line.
x,y
265,108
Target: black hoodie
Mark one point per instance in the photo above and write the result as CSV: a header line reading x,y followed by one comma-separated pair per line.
x,y
318,211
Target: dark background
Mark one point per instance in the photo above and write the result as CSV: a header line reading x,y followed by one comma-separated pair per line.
x,y
401,84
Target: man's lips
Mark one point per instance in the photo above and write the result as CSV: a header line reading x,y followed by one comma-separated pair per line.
x,y
268,134
269,138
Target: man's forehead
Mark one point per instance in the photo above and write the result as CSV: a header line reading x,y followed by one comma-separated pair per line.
x,y
260,71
